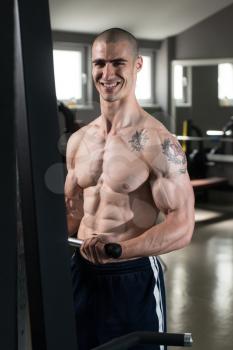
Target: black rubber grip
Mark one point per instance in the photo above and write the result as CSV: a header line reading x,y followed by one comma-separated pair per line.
x,y
113,250
137,338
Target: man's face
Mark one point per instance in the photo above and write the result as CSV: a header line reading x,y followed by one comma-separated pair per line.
x,y
114,69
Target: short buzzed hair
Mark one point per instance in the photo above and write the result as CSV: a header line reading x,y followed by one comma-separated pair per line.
x,y
114,35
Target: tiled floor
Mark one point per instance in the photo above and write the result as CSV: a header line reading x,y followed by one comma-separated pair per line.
x,y
199,282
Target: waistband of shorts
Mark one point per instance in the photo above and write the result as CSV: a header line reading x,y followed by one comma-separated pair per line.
x,y
121,267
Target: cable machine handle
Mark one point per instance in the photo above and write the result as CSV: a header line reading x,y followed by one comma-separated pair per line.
x,y
112,250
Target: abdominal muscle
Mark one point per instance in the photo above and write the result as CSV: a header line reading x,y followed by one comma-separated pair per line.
x,y
120,215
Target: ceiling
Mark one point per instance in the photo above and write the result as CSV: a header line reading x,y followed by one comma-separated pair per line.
x,y
147,19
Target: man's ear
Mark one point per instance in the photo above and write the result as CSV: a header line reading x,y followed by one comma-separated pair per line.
x,y
139,63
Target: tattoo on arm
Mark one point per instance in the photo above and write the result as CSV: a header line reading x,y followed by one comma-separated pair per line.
x,y
174,153
138,140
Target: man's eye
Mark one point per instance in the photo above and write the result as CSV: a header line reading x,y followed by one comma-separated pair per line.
x,y
116,64
99,64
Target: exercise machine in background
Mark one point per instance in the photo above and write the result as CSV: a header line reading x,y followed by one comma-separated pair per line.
x,y
196,157
224,147
210,157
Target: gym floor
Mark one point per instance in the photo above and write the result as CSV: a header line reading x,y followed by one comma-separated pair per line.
x,y
199,281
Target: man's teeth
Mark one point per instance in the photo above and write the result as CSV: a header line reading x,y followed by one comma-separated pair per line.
x,y
110,85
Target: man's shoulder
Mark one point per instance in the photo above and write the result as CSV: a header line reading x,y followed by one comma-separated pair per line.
x,y
162,149
77,136
156,131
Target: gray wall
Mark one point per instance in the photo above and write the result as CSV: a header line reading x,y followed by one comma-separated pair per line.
x,y
211,38
162,76
163,79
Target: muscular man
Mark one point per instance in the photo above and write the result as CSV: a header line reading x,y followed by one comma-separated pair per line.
x,y
123,169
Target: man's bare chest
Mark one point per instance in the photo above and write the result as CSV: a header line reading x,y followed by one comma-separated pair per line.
x,y
116,161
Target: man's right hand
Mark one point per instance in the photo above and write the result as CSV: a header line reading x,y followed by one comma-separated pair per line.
x,y
93,249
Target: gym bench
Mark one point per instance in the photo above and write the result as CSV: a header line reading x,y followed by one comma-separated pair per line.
x,y
210,182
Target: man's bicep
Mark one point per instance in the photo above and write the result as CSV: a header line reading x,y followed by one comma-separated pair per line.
x,y
172,193
170,181
72,147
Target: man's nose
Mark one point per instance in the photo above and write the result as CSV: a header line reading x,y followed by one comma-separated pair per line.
x,y
108,71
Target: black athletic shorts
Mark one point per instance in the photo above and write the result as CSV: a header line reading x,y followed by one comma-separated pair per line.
x,y
115,299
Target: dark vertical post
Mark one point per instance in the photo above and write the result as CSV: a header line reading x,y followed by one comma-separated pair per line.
x,y
43,211
7,182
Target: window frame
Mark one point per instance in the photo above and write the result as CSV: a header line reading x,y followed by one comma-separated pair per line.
x,y
187,90
152,53
86,87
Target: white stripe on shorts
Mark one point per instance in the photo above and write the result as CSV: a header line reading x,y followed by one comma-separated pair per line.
x,y
157,295
156,260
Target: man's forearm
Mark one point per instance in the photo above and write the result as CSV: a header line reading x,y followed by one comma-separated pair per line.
x,y
172,234
72,224
74,215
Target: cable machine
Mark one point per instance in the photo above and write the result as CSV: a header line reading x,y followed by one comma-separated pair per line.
x,y
43,219
8,338
41,211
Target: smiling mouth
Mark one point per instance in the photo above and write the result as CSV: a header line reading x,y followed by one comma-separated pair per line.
x,y
110,86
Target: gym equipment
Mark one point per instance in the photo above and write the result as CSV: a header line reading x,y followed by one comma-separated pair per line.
x,y
113,250
8,271
196,158
221,147
67,126
52,321
137,338
208,183
204,138
219,165
68,123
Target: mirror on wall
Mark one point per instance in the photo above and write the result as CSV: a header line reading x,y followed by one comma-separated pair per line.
x,y
202,90
202,113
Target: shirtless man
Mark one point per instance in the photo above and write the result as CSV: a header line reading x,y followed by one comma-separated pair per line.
x,y
123,169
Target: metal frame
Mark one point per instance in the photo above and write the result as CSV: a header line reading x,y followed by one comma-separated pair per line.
x,y
130,340
8,334
43,212
188,99
190,63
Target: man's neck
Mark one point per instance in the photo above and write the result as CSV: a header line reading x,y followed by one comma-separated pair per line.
x,y
119,114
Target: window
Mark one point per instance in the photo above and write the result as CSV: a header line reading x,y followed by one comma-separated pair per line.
x,y
225,84
182,85
70,72
178,83
145,79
